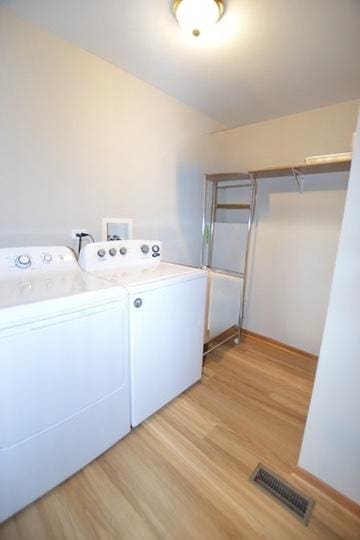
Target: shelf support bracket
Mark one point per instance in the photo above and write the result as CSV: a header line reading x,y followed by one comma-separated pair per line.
x,y
299,178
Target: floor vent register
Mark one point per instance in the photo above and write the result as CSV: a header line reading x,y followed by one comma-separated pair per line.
x,y
298,504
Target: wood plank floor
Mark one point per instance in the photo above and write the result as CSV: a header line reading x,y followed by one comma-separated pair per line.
x,y
183,474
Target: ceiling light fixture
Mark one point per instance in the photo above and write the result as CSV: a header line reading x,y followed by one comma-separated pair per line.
x,y
196,16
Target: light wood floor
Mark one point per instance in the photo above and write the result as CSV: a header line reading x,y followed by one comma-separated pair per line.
x,y
183,474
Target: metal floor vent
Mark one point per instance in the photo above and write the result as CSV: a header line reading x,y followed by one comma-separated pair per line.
x,y
290,498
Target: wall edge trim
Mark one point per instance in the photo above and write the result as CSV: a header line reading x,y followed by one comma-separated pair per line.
x,y
278,344
328,490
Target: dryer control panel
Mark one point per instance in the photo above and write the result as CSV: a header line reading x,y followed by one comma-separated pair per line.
x,y
115,254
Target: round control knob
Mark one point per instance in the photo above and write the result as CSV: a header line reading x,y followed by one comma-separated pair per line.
x,y
101,253
145,248
23,261
138,302
47,258
155,248
112,252
123,250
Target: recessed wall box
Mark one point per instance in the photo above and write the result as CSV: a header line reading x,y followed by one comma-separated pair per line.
x,y
116,229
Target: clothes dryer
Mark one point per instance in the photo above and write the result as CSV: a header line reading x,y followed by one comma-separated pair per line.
x,y
166,316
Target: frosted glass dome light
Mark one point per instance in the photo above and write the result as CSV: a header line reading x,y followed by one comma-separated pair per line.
x,y
196,16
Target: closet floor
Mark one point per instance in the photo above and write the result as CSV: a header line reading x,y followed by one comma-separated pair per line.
x,y
184,473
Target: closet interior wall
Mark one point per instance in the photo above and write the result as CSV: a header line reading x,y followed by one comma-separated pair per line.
x,y
295,237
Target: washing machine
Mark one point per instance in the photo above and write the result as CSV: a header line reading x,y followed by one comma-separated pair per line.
x,y
64,373
166,317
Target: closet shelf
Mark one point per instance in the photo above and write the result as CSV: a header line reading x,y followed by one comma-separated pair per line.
x,y
233,206
303,168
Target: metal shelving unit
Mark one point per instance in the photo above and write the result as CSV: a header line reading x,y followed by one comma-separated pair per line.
x,y
215,185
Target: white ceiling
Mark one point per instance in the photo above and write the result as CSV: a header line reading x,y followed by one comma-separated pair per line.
x,y
265,58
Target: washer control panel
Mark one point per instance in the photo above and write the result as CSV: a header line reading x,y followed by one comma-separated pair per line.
x,y
119,253
23,260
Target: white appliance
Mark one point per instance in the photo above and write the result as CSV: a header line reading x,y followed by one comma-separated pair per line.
x,y
64,377
166,311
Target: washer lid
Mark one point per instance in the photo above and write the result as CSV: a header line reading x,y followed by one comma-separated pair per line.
x,y
157,273
42,287
70,294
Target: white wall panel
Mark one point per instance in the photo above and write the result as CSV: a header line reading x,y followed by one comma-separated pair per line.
x,y
331,445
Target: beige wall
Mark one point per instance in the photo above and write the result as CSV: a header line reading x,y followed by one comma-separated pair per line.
x,y
295,236
81,139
